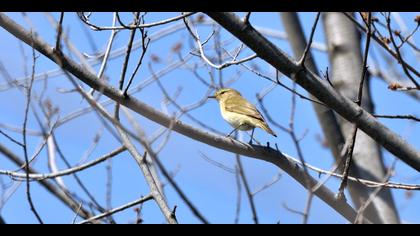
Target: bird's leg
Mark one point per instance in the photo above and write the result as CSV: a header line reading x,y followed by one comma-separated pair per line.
x,y
232,132
252,136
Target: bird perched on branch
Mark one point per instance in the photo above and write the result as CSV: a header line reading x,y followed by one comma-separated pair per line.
x,y
240,113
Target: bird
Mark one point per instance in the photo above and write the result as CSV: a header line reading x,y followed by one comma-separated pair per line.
x,y
239,112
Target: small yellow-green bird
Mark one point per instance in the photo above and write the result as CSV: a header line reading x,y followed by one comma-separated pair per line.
x,y
240,113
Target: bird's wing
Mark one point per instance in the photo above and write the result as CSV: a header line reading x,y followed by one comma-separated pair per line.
x,y
245,108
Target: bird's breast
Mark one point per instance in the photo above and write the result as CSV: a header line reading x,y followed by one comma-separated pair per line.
x,y
236,120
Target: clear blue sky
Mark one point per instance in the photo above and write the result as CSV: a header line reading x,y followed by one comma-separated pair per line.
x,y
210,188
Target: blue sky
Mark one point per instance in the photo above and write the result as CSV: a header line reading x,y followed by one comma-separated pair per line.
x,y
210,188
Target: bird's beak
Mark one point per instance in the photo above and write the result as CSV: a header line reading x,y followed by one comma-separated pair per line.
x,y
211,97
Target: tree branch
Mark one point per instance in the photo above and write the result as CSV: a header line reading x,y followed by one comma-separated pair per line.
x,y
118,209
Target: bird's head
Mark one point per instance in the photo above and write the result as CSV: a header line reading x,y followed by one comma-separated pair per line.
x,y
224,93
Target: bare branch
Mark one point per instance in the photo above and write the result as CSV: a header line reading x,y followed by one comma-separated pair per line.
x,y
409,117
59,31
25,146
118,209
247,189
308,46
133,26
66,171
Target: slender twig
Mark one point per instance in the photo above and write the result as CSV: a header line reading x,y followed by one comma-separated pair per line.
x,y
59,32
367,183
275,179
68,171
218,164
77,214
128,52
327,77
350,143
353,134
247,189
118,209
296,142
372,196
25,147
108,195
10,138
107,51
145,44
409,117
85,20
277,81
285,206
301,62
238,196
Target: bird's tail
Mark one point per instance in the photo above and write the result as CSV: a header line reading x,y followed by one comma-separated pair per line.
x,y
265,127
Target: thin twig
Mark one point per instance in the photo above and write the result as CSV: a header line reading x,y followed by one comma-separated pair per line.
x,y
10,138
247,189
25,147
59,32
353,134
367,183
118,209
296,142
107,52
72,170
359,216
409,117
238,196
218,164
85,20
77,214
301,62
145,43
277,81
128,52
